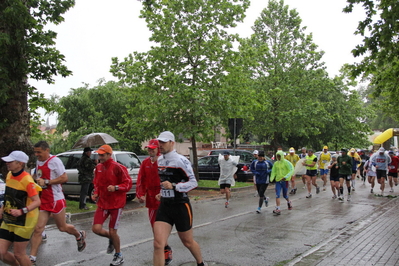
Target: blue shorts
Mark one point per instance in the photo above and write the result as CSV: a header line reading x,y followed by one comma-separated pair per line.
x,y
281,185
324,171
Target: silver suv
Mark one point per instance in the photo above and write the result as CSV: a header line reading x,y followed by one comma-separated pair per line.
x,y
71,158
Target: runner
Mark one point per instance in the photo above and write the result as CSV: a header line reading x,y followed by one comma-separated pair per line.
x,y
301,156
281,172
261,169
393,170
356,160
148,186
370,172
111,182
177,179
255,154
50,174
364,158
20,210
334,176
345,173
293,158
228,168
311,173
381,161
323,160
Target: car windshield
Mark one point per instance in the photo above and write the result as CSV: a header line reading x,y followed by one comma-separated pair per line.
x,y
128,159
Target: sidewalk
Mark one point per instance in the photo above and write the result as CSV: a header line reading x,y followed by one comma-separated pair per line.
x,y
373,240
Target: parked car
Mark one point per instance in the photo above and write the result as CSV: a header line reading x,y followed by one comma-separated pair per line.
x,y
245,156
209,169
71,158
142,157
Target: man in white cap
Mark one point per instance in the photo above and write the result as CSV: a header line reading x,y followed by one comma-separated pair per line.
x,y
177,178
381,162
20,211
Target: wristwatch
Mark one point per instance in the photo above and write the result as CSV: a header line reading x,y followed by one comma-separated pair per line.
x,y
116,188
174,184
25,210
46,181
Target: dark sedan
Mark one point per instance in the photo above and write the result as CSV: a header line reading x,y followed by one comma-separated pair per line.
x,y
208,169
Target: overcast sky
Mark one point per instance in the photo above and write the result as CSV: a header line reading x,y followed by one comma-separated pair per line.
x,y
94,31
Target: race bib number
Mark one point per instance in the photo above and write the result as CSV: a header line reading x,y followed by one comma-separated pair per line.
x,y
168,193
325,161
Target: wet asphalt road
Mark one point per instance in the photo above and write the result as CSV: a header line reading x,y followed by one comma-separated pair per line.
x,y
232,236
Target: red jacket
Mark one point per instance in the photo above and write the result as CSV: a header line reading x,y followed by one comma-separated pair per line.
x,y
148,183
111,173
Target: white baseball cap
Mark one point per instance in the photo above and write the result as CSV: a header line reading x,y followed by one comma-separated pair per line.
x,y
166,136
255,152
381,149
19,156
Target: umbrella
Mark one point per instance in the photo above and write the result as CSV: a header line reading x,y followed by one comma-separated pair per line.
x,y
94,139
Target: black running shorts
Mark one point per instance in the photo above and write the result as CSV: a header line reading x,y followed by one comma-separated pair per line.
x,y
179,214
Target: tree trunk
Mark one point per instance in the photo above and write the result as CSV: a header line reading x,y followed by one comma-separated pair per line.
x,y
195,157
15,130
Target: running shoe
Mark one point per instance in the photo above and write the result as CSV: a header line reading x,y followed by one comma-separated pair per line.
x,y
341,198
371,191
391,191
396,184
258,210
324,188
295,190
44,237
317,190
32,260
349,198
266,201
226,204
334,197
110,247
289,203
353,188
291,192
82,241
117,260
276,212
168,254
309,196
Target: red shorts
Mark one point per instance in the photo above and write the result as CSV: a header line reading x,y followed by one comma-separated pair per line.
x,y
101,215
53,207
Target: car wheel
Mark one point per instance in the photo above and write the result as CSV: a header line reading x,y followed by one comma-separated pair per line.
x,y
130,197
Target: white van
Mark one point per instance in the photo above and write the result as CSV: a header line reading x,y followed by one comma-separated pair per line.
x,y
71,158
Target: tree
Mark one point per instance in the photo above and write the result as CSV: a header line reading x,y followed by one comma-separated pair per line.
x,y
380,48
288,76
190,82
99,109
27,51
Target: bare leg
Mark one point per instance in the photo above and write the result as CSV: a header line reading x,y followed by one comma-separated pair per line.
x,y
161,234
188,241
36,238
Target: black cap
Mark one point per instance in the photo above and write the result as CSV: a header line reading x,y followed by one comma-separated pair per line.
x,y
226,153
87,149
344,150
